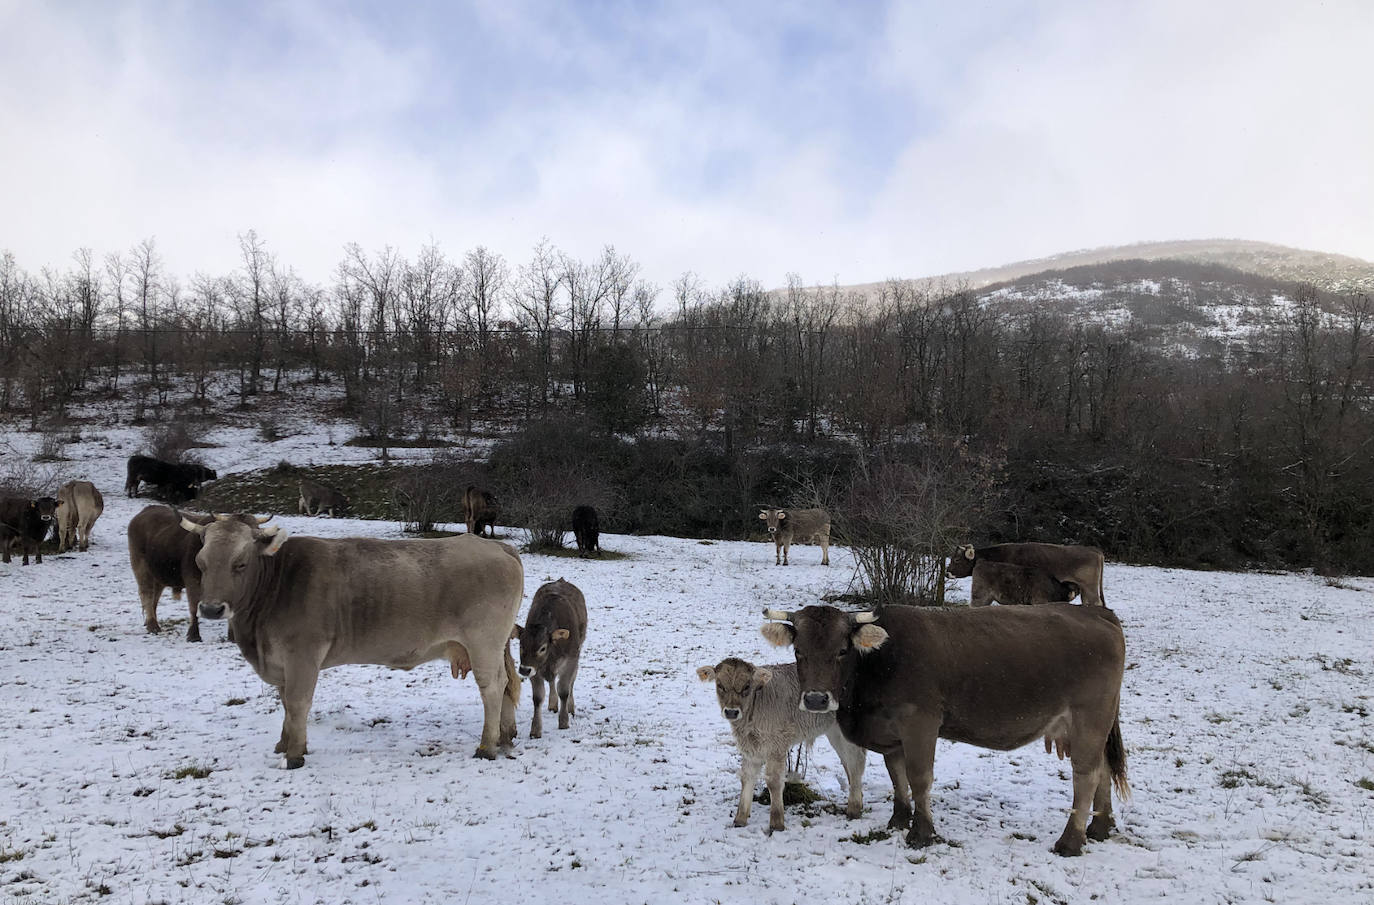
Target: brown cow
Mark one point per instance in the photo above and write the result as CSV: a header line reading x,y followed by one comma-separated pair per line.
x,y
479,510
163,555
301,606
801,525
996,677
551,647
80,505
1017,585
26,523
1080,565
316,498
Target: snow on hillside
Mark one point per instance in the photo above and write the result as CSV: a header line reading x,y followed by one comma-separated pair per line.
x,y
138,768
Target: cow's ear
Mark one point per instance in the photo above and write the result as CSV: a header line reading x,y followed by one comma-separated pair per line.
x,y
273,541
968,551
706,673
868,638
561,634
762,676
764,515
515,631
782,514
779,634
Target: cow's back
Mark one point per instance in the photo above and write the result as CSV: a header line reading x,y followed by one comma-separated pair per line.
x,y
805,524
561,603
159,545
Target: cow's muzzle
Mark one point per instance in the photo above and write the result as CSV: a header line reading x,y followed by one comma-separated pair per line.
x,y
525,671
210,610
819,702
730,713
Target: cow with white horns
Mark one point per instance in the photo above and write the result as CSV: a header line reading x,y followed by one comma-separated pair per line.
x,y
801,525
300,606
995,677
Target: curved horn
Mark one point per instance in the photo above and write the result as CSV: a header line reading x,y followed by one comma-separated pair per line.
x,y
864,618
192,526
782,615
263,519
221,517
269,531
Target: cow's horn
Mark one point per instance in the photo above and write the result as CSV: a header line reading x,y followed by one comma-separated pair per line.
x,y
221,517
192,526
269,531
864,618
263,519
780,615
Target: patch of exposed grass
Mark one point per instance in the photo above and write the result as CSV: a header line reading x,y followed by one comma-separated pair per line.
x,y
1234,779
11,854
190,771
401,442
571,553
1365,783
872,836
276,489
793,793
175,830
234,702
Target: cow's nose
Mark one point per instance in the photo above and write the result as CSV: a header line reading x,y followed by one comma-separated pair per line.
x,y
211,610
525,671
731,713
816,701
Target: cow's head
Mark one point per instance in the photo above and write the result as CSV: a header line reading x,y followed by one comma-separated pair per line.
x,y
45,507
737,681
231,548
773,517
827,643
539,643
961,561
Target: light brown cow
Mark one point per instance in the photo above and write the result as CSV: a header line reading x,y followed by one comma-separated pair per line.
x,y
81,505
1081,566
316,498
301,606
801,525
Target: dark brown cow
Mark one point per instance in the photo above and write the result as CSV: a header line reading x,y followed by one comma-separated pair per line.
x,y
80,504
550,647
163,555
479,510
586,527
1080,565
997,677
26,523
1016,585
181,481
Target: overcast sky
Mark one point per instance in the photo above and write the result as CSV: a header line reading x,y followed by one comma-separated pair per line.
x,y
854,141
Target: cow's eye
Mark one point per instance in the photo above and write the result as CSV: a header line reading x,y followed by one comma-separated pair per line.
x,y
841,654
542,648
240,566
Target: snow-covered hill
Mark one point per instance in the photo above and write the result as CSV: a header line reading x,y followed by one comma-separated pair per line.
x,y
138,768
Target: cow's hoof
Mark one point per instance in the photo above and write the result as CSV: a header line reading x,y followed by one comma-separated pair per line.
x,y
1070,845
193,634
1099,829
921,836
854,813
899,820
741,821
484,753
536,733
563,723
152,627
295,763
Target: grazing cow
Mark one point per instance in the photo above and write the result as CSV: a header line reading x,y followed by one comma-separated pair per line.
x,y
479,510
997,677
180,480
1012,584
163,555
300,606
317,498
79,505
587,529
1081,566
26,523
550,646
801,525
760,703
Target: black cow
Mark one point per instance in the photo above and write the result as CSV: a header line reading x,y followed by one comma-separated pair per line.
x,y
587,529
180,480
26,523
996,677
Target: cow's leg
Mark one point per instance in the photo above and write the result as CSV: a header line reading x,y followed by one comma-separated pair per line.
x,y
980,594
918,751
854,759
748,775
901,801
775,770
1101,826
193,605
1086,751
490,673
777,550
786,548
825,549
537,695
566,676
296,697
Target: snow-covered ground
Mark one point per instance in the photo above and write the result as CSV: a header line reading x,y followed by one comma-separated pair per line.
x,y
1246,713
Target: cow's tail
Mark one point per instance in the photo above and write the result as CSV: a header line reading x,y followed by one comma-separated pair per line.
x,y
512,678
1116,760
1101,596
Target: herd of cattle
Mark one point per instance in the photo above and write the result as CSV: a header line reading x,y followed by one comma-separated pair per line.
x,y
892,681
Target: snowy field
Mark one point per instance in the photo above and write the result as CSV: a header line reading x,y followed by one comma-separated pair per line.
x,y
139,769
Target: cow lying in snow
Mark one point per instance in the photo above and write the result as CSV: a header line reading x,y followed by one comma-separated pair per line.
x,y
180,480
998,678
301,606
1016,585
760,702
